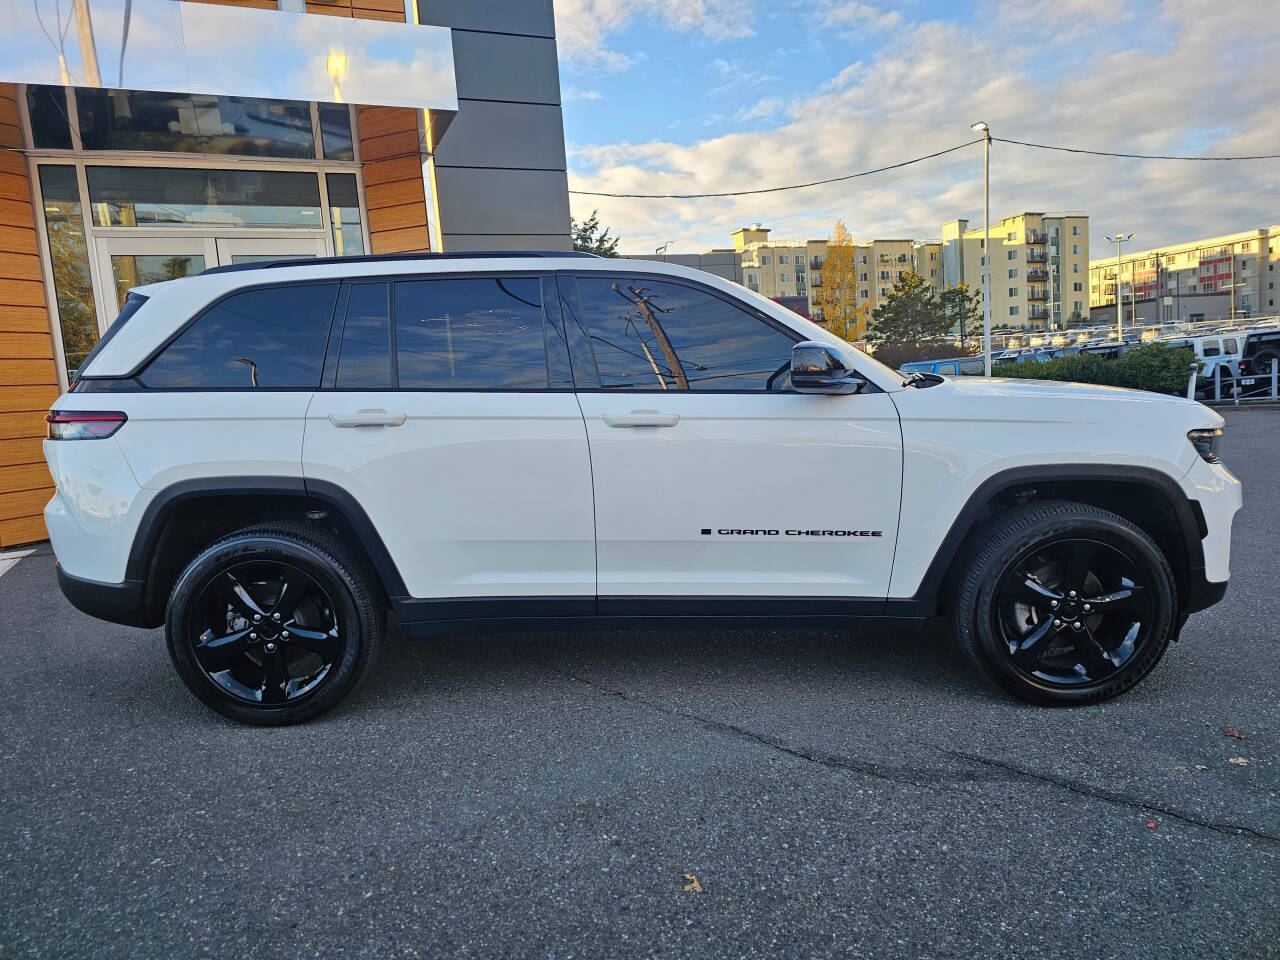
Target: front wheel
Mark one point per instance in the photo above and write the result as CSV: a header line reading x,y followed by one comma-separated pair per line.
x,y
273,624
1064,603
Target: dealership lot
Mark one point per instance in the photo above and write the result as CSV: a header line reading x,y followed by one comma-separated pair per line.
x,y
545,795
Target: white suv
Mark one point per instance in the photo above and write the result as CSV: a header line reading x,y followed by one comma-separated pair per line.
x,y
269,459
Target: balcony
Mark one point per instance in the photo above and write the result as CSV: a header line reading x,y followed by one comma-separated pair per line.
x,y
815,263
1037,293
1038,313
1038,275
816,281
1037,256
1037,236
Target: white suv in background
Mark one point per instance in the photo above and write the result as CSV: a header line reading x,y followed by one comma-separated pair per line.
x,y
270,459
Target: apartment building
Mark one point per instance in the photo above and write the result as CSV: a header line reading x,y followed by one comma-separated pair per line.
x,y
1234,276
1039,266
784,270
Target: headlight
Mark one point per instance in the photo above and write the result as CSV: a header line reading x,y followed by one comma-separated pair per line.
x,y
1206,442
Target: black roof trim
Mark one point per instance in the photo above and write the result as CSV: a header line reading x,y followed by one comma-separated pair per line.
x,y
395,258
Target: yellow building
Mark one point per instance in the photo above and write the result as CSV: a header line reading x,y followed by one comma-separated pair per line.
x,y
1039,266
775,269
1233,276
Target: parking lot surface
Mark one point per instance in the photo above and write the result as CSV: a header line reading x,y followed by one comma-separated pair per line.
x,y
544,795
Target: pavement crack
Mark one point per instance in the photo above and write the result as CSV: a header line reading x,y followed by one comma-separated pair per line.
x,y
931,778
1109,796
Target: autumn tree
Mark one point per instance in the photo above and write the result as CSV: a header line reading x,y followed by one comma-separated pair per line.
x,y
911,313
836,298
590,238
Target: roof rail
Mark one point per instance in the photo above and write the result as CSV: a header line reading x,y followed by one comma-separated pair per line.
x,y
393,258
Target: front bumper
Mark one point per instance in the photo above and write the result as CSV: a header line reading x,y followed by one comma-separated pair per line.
x,y
115,602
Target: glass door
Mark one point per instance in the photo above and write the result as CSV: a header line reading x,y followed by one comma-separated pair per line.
x,y
236,250
125,262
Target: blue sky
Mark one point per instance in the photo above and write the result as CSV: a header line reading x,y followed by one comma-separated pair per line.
x,y
700,95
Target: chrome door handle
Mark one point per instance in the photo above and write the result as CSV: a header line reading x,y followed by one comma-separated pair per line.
x,y
641,418
367,418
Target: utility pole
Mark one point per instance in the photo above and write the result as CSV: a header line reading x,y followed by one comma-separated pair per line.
x,y
88,51
664,344
985,130
1119,239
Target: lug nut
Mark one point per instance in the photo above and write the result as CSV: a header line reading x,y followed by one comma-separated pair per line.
x,y
257,617
1057,622
271,648
284,634
253,636
1077,625
1087,608
1072,594
276,616
1054,604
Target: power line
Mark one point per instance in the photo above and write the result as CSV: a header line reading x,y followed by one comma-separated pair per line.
x,y
907,163
1133,156
793,186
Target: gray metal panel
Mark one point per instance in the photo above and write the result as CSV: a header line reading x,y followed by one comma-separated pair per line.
x,y
464,243
515,135
492,67
533,17
502,202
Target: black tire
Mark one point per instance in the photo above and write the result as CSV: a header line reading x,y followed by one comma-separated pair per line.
x,y
1016,617
287,601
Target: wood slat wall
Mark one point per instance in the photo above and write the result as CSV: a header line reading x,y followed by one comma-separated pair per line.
x,y
28,377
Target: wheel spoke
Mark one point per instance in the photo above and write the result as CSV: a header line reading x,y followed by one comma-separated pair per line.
x,y
1031,649
291,594
1096,659
324,645
274,677
1030,591
1127,598
1080,554
222,653
228,588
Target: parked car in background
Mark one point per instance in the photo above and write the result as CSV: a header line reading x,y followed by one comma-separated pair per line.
x,y
1213,351
954,367
1259,349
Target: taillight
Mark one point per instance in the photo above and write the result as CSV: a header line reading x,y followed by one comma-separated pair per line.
x,y
83,424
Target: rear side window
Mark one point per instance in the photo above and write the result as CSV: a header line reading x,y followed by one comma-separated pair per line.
x,y
971,368
1211,348
652,335
271,338
364,358
1229,345
472,333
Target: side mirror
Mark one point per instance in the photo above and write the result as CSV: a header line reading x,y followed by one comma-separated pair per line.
x,y
815,368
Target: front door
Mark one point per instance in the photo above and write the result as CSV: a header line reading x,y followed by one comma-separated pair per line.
x,y
712,477
447,410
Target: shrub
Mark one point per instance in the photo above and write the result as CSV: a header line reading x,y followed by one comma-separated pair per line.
x,y
1153,367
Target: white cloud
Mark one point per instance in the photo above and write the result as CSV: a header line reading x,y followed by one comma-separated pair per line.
x,y
570,94
585,28
851,13
1176,92
762,109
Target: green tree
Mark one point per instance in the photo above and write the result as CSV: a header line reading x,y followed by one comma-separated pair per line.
x,y
588,237
963,308
909,314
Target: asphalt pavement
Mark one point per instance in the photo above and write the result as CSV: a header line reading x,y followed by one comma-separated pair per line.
x,y
544,795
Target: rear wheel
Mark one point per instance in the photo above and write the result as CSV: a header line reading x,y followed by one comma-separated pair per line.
x,y
273,624
1064,603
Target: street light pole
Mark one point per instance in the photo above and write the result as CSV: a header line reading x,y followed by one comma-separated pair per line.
x,y
1119,239
982,128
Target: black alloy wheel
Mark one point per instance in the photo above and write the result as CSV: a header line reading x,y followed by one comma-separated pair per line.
x,y
1063,603
265,632
1072,611
274,624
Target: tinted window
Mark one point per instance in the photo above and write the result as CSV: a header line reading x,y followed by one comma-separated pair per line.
x,y
1229,345
470,334
653,335
364,359
972,368
1210,348
269,338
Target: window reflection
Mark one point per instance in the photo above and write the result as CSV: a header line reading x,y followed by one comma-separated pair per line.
x,y
172,196
335,131
133,270
73,288
50,125
194,123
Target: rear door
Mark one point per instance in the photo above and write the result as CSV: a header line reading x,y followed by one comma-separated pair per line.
x,y
448,413
713,478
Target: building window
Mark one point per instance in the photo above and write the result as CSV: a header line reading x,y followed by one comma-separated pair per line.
x,y
1077,287
1012,255
764,260
783,258
1075,229
784,278
884,292
335,131
194,123
1013,291
344,211
1013,273
1075,268
1013,311
48,109
865,294
191,197
1075,248
1078,304
69,254
862,277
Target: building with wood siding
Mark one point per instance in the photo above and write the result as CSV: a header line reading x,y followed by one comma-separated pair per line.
x,y
107,187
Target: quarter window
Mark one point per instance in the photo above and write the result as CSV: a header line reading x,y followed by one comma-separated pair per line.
x,y
653,335
481,333
269,338
364,358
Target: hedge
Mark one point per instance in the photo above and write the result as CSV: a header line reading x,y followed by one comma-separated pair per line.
x,y
1153,367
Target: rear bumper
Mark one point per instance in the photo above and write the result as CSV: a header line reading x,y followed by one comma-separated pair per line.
x,y
115,602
